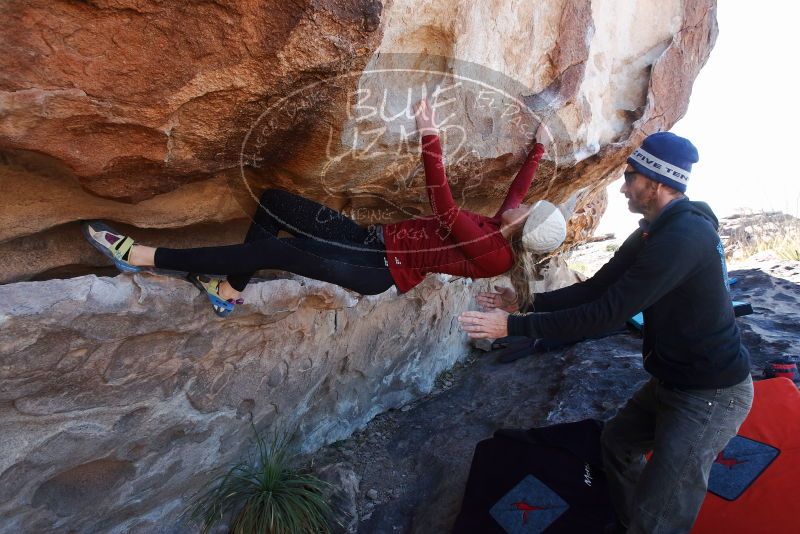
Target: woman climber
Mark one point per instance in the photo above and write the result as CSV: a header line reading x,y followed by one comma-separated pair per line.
x,y
330,247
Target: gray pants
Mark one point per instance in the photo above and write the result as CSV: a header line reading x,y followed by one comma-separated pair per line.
x,y
685,429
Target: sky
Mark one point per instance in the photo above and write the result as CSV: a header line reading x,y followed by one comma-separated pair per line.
x,y
743,117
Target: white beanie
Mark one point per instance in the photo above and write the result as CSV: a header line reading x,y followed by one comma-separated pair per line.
x,y
545,228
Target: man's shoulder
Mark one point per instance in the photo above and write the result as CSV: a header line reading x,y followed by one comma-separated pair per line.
x,y
688,223
688,236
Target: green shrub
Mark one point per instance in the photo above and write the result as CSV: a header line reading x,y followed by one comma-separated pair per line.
x,y
265,495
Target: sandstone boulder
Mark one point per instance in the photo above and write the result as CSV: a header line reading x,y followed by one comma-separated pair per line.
x,y
121,396
170,115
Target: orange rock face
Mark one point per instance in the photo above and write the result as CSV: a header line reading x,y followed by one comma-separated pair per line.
x,y
137,98
170,114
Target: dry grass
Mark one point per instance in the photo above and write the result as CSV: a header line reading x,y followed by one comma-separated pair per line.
x,y
743,236
580,267
747,235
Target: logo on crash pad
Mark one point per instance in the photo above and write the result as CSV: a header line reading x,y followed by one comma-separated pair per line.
x,y
529,508
738,466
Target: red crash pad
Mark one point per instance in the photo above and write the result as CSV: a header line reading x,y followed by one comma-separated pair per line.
x,y
755,483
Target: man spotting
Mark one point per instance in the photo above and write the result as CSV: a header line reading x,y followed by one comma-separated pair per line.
x,y
673,269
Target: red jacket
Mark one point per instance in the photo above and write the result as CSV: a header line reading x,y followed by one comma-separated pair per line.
x,y
452,240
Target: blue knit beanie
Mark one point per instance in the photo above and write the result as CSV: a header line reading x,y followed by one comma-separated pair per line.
x,y
666,158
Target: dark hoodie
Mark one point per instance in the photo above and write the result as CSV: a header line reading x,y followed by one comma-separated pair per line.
x,y
675,272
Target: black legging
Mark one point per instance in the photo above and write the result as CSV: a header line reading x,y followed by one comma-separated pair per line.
x,y
329,247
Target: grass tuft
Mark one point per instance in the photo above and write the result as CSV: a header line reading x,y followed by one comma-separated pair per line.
x,y
776,233
265,495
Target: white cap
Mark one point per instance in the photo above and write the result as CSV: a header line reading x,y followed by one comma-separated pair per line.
x,y
545,228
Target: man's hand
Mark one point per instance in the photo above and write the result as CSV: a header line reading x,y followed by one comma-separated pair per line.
x,y
423,113
505,299
481,325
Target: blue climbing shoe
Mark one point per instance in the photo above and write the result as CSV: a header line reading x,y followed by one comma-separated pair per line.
x,y
210,288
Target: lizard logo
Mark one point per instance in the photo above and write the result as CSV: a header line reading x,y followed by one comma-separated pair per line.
x,y
526,508
730,463
738,466
516,513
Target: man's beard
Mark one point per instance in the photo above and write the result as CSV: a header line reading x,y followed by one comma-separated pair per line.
x,y
646,202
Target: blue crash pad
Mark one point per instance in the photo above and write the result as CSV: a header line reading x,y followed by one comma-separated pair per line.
x,y
740,308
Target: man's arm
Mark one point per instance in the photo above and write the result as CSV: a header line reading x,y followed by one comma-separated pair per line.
x,y
592,288
660,266
575,294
